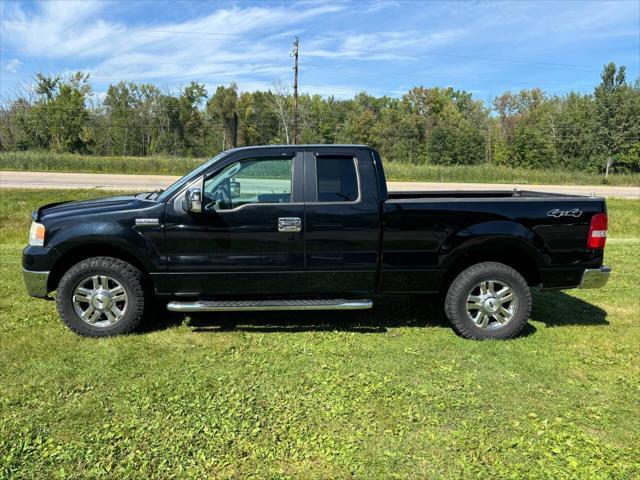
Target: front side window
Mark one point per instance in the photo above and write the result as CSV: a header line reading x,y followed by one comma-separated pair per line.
x,y
337,179
261,180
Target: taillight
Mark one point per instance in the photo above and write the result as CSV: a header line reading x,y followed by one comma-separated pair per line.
x,y
597,232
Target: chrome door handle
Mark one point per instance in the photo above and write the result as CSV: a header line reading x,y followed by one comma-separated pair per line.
x,y
289,224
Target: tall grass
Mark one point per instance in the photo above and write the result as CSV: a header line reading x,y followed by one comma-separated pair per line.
x,y
68,162
65,162
502,174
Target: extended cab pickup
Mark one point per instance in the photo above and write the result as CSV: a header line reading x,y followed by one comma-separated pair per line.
x,y
310,227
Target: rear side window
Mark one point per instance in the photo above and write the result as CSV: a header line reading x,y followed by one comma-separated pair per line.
x,y
337,179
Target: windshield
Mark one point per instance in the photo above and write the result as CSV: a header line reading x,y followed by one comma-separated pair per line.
x,y
177,185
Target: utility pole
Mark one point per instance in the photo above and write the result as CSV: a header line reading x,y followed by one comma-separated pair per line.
x,y
295,90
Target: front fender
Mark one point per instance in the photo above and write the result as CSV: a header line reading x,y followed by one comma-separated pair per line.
x,y
110,234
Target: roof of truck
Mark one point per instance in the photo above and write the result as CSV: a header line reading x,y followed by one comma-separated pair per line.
x,y
303,145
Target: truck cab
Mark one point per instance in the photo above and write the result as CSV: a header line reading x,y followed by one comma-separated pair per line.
x,y
277,221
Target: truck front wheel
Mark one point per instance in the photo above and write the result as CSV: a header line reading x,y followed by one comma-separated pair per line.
x,y
488,300
101,296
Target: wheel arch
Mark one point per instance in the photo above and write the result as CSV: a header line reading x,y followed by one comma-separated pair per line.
x,y
81,252
513,253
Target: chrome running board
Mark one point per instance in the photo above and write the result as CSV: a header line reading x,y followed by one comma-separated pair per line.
x,y
268,305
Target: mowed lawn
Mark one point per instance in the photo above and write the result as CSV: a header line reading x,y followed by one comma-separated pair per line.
x,y
391,393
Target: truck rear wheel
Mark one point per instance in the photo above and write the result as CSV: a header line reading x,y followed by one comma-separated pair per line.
x,y
488,300
101,296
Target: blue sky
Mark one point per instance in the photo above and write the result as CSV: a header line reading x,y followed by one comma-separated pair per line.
x,y
383,47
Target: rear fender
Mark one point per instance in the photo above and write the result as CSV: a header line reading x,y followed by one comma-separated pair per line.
x,y
494,240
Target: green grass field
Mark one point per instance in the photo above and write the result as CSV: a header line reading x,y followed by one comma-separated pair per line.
x,y
49,161
390,393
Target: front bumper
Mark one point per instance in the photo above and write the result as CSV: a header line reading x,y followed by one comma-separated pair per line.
x,y
595,277
36,283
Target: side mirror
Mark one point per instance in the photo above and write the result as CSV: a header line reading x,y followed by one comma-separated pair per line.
x,y
234,189
193,200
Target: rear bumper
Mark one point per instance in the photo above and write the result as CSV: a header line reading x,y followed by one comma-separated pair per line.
x,y
595,277
36,282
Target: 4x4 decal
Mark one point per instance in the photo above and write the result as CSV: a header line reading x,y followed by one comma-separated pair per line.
x,y
557,213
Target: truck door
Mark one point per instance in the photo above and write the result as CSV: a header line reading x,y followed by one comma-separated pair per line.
x,y
342,222
248,239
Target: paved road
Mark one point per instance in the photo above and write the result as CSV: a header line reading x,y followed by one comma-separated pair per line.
x,y
102,181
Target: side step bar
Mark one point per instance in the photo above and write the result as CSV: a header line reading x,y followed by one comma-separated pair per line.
x,y
268,305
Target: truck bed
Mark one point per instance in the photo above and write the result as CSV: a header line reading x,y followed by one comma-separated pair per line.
x,y
408,195
426,232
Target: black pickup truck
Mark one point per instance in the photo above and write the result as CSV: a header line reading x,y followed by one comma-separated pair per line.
x,y
310,227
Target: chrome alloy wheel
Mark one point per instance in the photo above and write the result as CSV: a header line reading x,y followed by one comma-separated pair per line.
x,y
491,304
100,300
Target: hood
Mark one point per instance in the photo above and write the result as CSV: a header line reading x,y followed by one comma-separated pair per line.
x,y
84,207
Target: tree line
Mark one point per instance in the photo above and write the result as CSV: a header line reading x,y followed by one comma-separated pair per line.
x,y
444,126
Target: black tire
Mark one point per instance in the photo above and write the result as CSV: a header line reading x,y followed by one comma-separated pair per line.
x,y
464,285
129,278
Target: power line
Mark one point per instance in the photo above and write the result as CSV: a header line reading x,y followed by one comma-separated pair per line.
x,y
508,60
484,59
420,80
488,60
252,70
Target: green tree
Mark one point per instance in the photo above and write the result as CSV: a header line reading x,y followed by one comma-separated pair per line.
x,y
69,116
439,125
220,108
192,125
259,119
527,129
121,102
576,123
397,134
59,116
618,114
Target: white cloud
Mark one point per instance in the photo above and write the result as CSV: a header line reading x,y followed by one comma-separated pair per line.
x,y
377,5
13,65
252,41
228,42
248,45
539,25
53,30
379,45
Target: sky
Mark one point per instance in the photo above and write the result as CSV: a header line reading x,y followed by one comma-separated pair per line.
x,y
384,47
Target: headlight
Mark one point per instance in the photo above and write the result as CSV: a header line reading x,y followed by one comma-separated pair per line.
x,y
36,234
